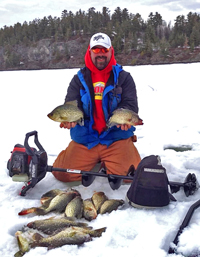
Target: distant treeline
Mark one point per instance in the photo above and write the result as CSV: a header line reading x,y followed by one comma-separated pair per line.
x,y
128,31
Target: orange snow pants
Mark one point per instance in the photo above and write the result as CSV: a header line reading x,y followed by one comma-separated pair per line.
x,y
118,157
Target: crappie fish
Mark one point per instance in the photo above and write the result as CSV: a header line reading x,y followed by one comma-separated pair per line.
x,y
52,193
48,196
24,239
75,208
49,226
110,205
68,112
68,236
58,203
64,237
73,235
89,230
98,199
23,244
89,211
124,116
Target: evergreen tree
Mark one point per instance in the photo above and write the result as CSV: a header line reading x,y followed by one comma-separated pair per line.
x,y
127,31
117,16
192,20
105,16
195,36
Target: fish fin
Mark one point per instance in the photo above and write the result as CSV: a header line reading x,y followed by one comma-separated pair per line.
x,y
111,124
19,254
45,201
36,240
82,224
41,211
98,232
89,228
37,237
81,122
52,218
75,103
69,218
52,193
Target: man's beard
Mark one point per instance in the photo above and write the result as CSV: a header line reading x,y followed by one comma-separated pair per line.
x,y
101,64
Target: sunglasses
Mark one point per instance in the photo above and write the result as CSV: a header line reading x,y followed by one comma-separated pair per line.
x,y
98,50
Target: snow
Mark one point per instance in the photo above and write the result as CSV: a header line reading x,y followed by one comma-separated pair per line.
x,y
169,105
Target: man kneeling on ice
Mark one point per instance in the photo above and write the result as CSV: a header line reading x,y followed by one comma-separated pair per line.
x,y
100,88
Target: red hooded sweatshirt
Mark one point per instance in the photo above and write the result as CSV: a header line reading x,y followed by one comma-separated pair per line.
x,y
99,79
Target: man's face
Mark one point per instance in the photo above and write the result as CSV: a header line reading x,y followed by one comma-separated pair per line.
x,y
101,59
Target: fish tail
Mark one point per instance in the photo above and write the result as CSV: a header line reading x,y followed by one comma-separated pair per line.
x,y
19,254
27,211
98,232
40,211
36,240
37,211
82,224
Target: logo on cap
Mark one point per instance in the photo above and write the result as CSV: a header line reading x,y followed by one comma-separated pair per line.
x,y
98,37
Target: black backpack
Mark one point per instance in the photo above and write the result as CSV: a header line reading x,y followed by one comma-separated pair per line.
x,y
150,184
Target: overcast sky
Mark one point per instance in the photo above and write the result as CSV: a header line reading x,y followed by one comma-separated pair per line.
x,y
13,11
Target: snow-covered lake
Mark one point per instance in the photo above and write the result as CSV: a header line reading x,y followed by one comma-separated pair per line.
x,y
169,105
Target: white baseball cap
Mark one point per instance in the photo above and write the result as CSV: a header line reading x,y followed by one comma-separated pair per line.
x,y
100,39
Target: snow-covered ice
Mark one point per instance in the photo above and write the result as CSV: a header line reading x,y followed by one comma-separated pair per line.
x,y
169,105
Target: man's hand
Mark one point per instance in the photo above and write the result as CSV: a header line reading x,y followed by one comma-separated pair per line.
x,y
68,125
124,126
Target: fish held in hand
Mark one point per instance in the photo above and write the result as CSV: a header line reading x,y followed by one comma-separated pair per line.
x,y
124,116
68,112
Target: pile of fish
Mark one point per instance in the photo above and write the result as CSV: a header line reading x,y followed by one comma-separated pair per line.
x,y
64,229
54,232
71,203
